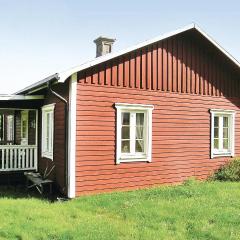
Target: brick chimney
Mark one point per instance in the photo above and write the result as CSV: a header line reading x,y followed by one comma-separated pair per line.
x,y
103,45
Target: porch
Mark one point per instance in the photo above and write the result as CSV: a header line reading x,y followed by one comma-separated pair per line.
x,y
18,139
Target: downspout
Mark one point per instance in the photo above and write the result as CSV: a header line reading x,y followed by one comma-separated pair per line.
x,y
66,112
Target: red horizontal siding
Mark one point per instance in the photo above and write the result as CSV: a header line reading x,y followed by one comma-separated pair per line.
x,y
181,138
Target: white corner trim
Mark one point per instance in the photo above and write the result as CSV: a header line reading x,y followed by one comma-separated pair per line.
x,y
72,136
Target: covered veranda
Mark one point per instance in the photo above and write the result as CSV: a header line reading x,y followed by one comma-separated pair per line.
x,y
19,126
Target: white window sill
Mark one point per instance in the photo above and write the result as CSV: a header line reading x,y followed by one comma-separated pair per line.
x,y
222,154
47,155
127,160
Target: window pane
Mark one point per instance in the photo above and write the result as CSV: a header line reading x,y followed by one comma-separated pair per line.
x,y
139,132
216,121
225,143
24,129
225,132
126,146
139,146
139,118
225,121
216,143
125,118
125,132
215,132
48,132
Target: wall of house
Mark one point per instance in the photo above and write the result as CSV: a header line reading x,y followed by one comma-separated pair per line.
x,y
58,161
183,77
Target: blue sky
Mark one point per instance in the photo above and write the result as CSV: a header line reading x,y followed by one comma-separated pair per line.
x,y
39,38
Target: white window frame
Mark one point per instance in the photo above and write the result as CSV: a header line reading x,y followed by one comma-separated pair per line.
x,y
134,108
10,127
221,113
46,109
24,116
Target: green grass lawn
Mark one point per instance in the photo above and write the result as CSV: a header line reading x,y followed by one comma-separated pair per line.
x,y
207,210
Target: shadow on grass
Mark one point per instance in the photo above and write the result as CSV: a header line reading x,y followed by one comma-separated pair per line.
x,y
13,186
19,191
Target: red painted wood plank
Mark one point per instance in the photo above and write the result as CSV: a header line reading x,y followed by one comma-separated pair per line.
x,y
95,77
189,65
132,71
138,71
184,68
101,78
179,65
108,74
114,74
175,70
170,65
159,66
120,72
193,70
154,67
126,71
144,69
149,68
165,64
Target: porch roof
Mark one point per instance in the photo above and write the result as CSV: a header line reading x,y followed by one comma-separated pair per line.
x,y
14,97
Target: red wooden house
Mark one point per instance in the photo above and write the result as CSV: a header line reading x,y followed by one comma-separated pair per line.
x,y
156,113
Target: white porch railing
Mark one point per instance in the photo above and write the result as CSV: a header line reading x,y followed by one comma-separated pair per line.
x,y
18,157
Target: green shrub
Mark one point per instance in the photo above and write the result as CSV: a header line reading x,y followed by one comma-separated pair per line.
x,y
228,172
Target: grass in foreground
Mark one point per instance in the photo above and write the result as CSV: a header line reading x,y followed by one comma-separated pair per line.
x,y
208,210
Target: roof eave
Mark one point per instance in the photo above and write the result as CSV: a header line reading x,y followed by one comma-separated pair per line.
x,y
63,76
14,97
38,85
66,74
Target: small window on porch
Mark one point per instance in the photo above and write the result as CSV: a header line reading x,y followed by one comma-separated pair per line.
x,y
18,139
47,130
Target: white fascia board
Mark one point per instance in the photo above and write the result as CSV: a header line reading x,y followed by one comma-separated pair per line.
x,y
20,97
217,45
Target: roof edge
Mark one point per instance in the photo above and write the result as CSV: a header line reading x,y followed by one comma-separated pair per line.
x,y
7,97
38,84
66,74
61,77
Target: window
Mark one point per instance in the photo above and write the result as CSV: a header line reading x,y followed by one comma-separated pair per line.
x,y
10,128
1,127
24,127
222,133
134,132
47,130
